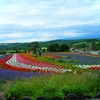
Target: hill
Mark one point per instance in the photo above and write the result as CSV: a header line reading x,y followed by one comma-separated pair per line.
x,y
66,41
5,46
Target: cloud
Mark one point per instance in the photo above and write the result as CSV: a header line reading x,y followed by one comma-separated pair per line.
x,y
42,33
42,12
72,34
11,36
48,19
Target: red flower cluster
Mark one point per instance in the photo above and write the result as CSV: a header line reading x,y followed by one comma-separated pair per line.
x,y
95,67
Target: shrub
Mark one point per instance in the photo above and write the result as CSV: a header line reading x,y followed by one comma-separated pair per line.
x,y
55,85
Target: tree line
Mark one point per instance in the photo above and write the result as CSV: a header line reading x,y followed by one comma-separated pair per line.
x,y
58,48
94,46
35,47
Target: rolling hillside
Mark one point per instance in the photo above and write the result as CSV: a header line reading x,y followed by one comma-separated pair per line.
x,y
5,46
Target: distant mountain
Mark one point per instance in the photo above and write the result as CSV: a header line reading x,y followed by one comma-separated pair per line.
x,y
60,41
8,45
5,46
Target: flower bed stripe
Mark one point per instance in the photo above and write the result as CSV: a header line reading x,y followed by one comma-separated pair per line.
x,y
16,62
95,67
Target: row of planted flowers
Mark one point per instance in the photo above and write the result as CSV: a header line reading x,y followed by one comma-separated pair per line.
x,y
94,67
21,63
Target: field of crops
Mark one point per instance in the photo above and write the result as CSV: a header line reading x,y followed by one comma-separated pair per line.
x,y
20,65
78,60
81,59
52,66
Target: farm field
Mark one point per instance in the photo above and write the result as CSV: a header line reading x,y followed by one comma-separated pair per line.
x,y
25,64
49,70
79,60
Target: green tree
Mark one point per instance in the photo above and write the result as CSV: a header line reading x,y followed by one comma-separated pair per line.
x,y
98,46
36,48
64,47
93,45
54,47
58,48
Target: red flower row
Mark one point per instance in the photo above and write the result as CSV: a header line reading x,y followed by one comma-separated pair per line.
x,y
95,67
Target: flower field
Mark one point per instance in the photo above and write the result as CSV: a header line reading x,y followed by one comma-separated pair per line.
x,y
23,65
9,71
82,59
77,60
13,74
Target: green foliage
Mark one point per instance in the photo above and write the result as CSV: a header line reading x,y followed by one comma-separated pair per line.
x,y
54,85
34,46
87,45
62,61
50,90
53,61
53,47
64,47
58,48
65,56
73,89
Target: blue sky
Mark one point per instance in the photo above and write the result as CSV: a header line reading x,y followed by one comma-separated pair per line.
x,y
43,20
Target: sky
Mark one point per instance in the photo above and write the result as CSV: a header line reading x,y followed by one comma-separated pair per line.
x,y
44,20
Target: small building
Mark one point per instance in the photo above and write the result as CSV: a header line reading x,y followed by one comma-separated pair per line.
x,y
44,49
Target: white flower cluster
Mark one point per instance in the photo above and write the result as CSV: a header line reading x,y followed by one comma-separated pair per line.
x,y
87,66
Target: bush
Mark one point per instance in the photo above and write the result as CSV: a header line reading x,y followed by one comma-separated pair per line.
x,y
55,85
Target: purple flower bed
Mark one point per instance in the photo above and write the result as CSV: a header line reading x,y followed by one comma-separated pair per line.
x,y
80,59
5,56
11,74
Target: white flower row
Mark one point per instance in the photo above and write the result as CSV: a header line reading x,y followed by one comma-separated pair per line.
x,y
87,66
